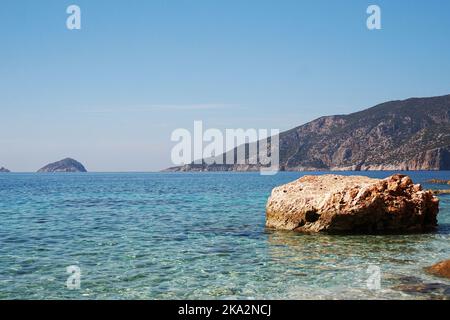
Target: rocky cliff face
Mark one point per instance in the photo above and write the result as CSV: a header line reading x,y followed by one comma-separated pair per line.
x,y
65,165
411,134
352,204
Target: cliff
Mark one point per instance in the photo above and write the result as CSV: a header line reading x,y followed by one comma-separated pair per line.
x,y
412,134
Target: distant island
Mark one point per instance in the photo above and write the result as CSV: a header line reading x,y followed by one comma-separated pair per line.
x,y
412,134
4,170
65,165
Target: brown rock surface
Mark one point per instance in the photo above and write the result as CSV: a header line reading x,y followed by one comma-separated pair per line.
x,y
440,269
352,204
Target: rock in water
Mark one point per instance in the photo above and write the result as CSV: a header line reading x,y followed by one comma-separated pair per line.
x,y
3,169
65,165
441,269
352,204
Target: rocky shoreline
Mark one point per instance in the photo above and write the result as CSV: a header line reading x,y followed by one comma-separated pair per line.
x,y
256,168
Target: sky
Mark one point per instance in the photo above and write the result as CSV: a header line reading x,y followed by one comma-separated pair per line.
x,y
111,94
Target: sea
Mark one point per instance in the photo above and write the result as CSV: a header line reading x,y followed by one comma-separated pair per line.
x,y
196,236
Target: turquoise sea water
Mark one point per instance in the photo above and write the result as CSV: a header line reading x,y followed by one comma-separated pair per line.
x,y
194,236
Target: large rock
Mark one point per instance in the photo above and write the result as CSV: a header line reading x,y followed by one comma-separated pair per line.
x,y
65,165
3,169
440,269
352,204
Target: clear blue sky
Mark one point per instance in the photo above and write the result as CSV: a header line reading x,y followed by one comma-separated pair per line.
x,y
110,94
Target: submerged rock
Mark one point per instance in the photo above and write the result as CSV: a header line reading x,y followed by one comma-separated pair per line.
x,y
432,290
3,169
352,204
65,165
440,269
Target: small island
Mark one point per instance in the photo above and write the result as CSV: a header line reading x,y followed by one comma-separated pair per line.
x,y
4,170
65,165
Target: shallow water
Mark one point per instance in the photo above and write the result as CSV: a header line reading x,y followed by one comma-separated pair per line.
x,y
183,235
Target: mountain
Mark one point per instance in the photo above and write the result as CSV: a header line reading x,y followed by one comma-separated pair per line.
x,y
2,169
412,134
65,165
